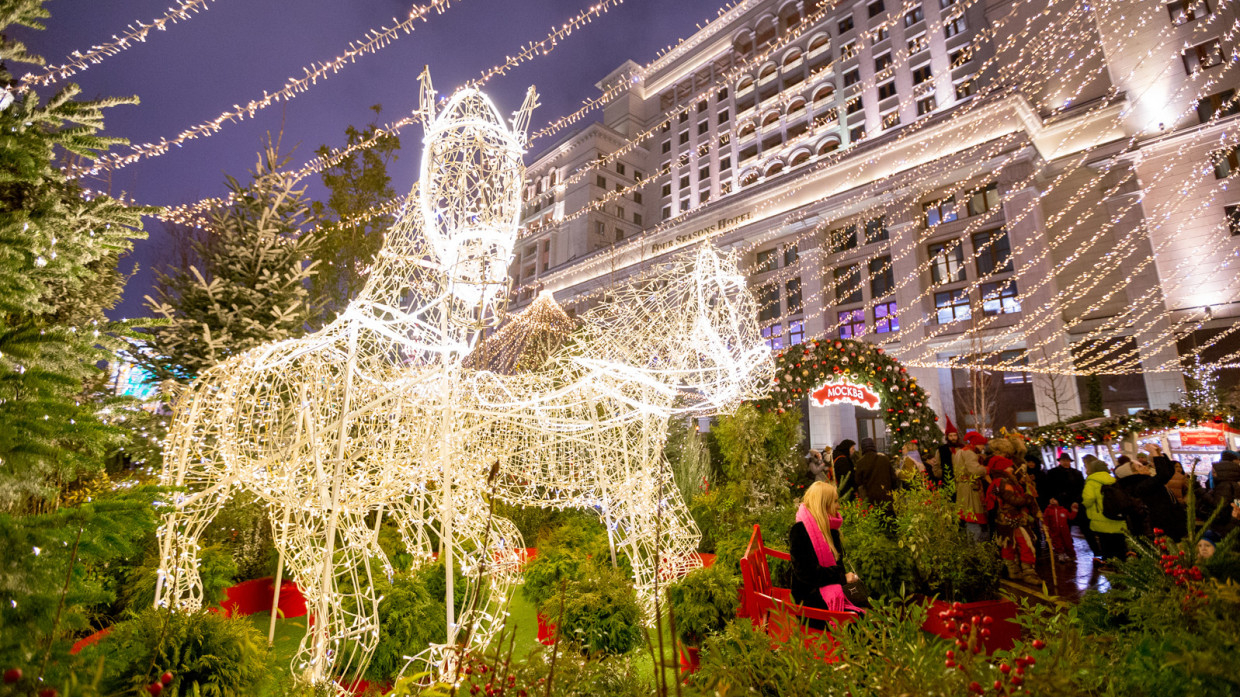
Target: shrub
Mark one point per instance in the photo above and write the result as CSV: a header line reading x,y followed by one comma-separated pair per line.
x,y
410,618
208,654
601,613
703,602
216,569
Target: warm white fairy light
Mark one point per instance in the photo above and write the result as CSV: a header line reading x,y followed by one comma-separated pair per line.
x,y
385,413
79,61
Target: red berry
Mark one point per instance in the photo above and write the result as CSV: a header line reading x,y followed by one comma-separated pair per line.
x,y
951,654
998,686
1039,644
1005,668
166,678
155,688
1029,660
949,663
988,620
1017,680
975,687
1020,672
48,692
985,633
12,675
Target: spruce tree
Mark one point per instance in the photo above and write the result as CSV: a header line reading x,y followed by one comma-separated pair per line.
x,y
349,237
59,247
248,283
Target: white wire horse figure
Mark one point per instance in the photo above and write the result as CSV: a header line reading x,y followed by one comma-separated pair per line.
x,y
377,415
312,425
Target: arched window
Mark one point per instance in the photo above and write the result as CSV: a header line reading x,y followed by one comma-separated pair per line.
x,y
767,71
793,56
819,41
771,118
744,84
823,93
789,16
774,168
829,145
746,129
799,157
743,43
749,177
797,106
766,31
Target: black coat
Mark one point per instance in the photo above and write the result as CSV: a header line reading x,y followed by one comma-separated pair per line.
x,y
945,461
876,478
808,576
1226,489
1063,483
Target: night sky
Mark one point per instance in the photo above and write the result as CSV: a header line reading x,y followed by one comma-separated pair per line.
x,y
236,49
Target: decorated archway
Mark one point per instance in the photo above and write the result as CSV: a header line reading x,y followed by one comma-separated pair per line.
x,y
836,371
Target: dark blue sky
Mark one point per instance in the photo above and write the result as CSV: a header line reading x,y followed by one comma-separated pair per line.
x,y
238,48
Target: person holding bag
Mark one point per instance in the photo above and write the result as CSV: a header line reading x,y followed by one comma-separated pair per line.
x,y
818,575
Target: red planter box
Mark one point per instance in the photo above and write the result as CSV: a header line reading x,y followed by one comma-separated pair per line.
x,y
1003,632
690,659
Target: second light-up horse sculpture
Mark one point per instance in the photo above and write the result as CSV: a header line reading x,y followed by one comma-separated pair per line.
x,y
376,416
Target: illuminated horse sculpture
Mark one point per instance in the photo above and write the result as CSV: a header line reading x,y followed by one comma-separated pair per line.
x,y
375,415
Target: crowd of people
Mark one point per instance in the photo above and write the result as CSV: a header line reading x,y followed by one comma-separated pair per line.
x,y
1004,492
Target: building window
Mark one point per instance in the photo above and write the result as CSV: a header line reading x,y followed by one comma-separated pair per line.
x,y
768,302
684,181
952,306
925,106
851,323
887,89
703,127
1226,162
960,56
601,181
723,94
667,190
890,119
854,106
1185,11
852,77
637,218
875,8
994,254
704,172
965,88
1000,298
947,3
637,175
946,262
667,212
1015,377
1233,219
886,319
984,200
882,279
619,234
914,16
791,254
684,137
882,33
767,261
882,62
845,24
954,26
667,146
843,239
619,168
601,230
941,211
918,43
773,336
847,284
1223,104
796,333
793,289
725,163
921,74
856,134
848,49
684,116
876,229
723,116
637,197
1203,57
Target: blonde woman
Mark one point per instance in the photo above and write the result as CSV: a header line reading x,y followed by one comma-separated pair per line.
x,y
814,543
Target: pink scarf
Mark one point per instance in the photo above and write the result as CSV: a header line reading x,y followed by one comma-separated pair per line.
x,y
832,595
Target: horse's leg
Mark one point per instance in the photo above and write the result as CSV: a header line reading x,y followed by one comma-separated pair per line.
x,y
654,526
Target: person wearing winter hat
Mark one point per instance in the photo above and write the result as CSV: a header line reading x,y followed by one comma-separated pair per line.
x,y
970,483
842,467
876,477
946,451
1110,533
1015,513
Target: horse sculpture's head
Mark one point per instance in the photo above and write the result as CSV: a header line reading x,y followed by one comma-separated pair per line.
x,y
470,194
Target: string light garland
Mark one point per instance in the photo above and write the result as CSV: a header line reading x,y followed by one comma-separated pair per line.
x,y
78,61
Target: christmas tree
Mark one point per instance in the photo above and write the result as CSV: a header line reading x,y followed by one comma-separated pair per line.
x,y
247,283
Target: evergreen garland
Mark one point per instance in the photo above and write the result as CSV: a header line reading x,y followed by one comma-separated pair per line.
x,y
803,368
1084,431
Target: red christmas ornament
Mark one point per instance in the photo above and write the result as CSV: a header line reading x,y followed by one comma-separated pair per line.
x,y
166,678
155,688
12,675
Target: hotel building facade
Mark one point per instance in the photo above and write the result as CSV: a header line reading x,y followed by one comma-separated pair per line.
x,y
1041,187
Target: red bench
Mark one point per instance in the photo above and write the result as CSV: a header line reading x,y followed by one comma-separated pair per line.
x,y
773,608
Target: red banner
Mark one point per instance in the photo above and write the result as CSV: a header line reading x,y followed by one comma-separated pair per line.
x,y
844,393
1202,436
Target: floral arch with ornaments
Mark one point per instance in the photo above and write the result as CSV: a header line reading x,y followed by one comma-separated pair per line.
x,y
802,370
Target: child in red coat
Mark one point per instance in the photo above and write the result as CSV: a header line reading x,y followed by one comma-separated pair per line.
x,y
1057,520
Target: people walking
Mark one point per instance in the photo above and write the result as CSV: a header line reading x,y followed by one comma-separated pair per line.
x,y
1112,545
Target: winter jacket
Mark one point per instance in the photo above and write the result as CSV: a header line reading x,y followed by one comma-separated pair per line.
x,y
1178,486
946,452
808,575
1226,489
1162,510
1063,484
969,472
1092,500
1012,506
876,478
